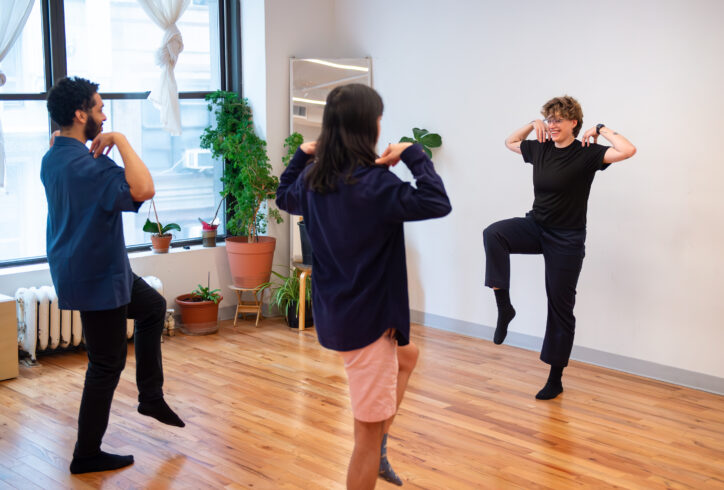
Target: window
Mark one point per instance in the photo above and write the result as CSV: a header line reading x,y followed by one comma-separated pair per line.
x,y
113,43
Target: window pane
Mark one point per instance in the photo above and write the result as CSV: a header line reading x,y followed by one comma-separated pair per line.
x,y
24,209
187,180
114,43
24,64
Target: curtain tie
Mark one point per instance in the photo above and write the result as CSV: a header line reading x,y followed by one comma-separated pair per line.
x,y
167,54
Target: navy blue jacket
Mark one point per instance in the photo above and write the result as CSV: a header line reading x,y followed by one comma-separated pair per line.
x,y
359,280
85,244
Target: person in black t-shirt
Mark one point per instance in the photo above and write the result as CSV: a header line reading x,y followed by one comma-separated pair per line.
x,y
563,171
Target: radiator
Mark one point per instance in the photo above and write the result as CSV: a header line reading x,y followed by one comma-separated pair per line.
x,y
42,326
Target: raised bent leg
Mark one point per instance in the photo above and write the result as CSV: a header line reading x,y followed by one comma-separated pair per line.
x,y
407,359
502,238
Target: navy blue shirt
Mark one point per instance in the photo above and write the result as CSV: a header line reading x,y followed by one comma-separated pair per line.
x,y
562,179
359,281
85,244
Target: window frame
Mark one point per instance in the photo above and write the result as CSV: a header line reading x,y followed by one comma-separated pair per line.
x,y
55,63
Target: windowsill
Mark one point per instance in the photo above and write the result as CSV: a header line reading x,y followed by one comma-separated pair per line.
x,y
172,250
20,269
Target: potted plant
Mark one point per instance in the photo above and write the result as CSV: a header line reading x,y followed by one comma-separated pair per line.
x,y
424,138
286,297
249,185
208,229
160,238
200,310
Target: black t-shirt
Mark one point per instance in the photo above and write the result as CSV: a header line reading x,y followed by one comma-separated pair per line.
x,y
562,179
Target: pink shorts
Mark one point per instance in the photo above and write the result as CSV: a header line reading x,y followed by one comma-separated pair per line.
x,y
372,374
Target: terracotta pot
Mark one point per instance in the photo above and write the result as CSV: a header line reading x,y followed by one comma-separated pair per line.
x,y
161,243
198,317
250,263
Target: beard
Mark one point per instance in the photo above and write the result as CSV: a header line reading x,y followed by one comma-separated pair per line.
x,y
91,129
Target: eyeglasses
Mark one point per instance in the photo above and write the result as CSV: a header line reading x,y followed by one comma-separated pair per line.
x,y
551,120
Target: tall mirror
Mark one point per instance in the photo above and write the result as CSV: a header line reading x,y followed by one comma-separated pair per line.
x,y
310,81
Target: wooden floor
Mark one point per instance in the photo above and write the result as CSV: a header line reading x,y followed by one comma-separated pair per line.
x,y
267,408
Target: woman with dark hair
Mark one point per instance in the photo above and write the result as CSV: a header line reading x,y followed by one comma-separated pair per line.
x,y
563,171
354,208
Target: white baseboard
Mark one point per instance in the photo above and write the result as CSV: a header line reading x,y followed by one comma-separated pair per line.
x,y
682,377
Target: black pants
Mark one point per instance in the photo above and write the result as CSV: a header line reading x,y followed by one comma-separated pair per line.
x,y
106,342
563,252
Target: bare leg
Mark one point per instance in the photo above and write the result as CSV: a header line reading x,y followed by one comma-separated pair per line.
x,y
363,466
407,359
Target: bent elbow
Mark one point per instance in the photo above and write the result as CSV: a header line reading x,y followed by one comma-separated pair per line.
x,y
144,194
448,210
443,210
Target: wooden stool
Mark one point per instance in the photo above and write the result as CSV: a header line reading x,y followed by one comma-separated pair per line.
x,y
249,306
304,271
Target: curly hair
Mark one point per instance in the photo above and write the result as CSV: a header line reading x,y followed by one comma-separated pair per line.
x,y
69,95
565,107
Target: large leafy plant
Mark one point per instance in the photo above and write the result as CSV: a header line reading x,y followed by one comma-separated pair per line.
x,y
248,180
424,138
291,143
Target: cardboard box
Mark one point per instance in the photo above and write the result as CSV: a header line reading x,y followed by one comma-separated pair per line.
x,y
8,338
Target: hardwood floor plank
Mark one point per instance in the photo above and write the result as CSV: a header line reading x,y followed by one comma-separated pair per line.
x,y
268,408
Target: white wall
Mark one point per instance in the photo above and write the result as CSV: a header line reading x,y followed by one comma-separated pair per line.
x,y
474,71
278,30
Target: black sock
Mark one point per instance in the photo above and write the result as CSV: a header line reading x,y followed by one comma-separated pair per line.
x,y
161,412
554,385
101,462
386,471
506,313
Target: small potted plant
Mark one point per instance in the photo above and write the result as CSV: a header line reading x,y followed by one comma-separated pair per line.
x,y
200,310
286,298
160,238
208,228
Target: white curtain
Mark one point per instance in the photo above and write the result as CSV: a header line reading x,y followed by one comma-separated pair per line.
x,y
13,15
165,13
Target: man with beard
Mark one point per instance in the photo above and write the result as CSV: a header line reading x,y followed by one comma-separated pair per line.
x,y
86,193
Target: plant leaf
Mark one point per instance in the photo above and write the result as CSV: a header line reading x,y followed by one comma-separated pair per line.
x,y
407,139
170,226
431,140
427,150
419,133
150,227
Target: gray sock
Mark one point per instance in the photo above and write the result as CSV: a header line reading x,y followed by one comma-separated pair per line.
x,y
386,471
